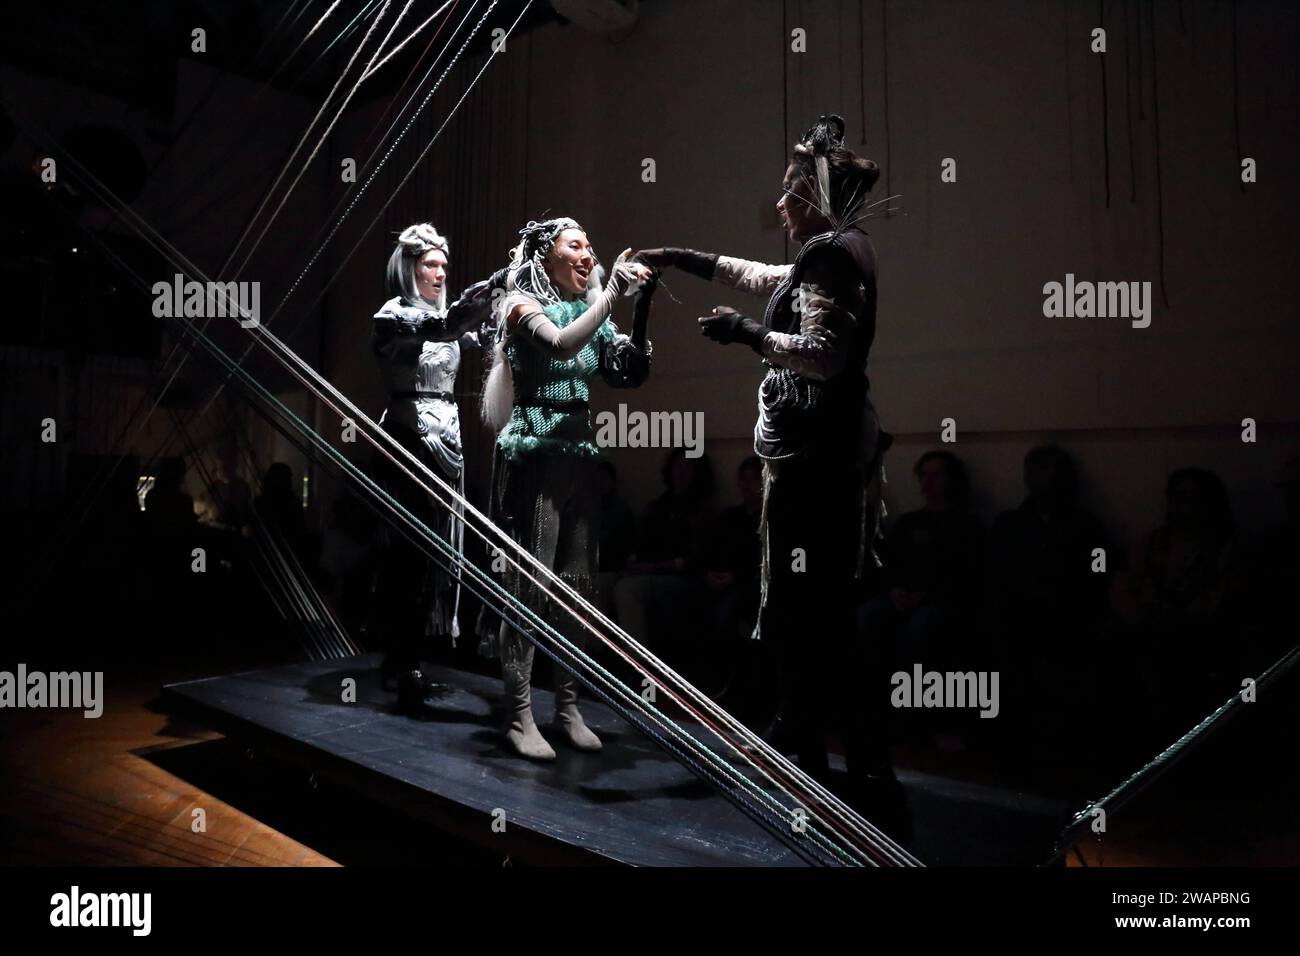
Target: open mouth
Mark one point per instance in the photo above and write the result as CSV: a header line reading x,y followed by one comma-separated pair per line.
x,y
582,274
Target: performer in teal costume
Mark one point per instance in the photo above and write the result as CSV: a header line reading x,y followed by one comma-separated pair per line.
x,y
554,336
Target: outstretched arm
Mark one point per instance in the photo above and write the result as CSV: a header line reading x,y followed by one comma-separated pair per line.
x,y
758,278
397,323
472,312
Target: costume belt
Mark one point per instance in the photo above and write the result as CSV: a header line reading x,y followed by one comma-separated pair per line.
x,y
557,405
445,396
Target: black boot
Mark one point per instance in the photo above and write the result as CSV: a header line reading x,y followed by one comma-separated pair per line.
x,y
414,687
410,692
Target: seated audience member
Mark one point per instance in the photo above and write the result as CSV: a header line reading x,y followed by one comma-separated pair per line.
x,y
934,579
1277,573
660,598
168,508
1179,603
1047,601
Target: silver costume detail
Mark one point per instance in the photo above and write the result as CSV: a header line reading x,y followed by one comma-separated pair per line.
x,y
420,374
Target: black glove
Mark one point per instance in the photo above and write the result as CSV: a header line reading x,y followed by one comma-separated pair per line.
x,y
474,307
727,325
701,264
641,309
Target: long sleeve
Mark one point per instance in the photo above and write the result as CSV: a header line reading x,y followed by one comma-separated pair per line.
x,y
565,343
473,310
828,301
397,323
479,338
746,275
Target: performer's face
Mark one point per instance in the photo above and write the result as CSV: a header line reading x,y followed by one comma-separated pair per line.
x,y
430,274
570,263
797,207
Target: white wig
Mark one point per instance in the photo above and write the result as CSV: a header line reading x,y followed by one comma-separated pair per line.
x,y
526,276
413,243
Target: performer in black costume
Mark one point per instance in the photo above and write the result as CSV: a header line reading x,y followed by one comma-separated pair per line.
x,y
822,449
417,341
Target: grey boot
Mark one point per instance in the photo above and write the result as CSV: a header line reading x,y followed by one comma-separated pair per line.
x,y
567,717
517,672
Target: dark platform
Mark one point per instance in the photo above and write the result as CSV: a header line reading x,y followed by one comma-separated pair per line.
x,y
631,804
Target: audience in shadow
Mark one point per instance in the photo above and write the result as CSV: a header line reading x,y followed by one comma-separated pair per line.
x,y
1180,604
934,561
1050,567
661,598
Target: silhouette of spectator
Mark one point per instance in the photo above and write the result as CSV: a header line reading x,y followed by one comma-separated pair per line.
x,y
281,511
349,558
933,573
1046,599
1180,601
660,598
1278,572
168,507
232,498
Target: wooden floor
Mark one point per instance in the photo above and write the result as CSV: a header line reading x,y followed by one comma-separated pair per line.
x,y
78,791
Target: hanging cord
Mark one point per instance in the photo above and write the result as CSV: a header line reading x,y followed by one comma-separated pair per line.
x,y
270,191
302,168
290,600
419,159
406,82
393,194
93,491
1155,125
319,240
345,645
1128,102
338,270
1105,104
322,631
1236,94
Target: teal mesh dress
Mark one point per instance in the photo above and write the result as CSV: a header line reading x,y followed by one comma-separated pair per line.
x,y
551,413
544,490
